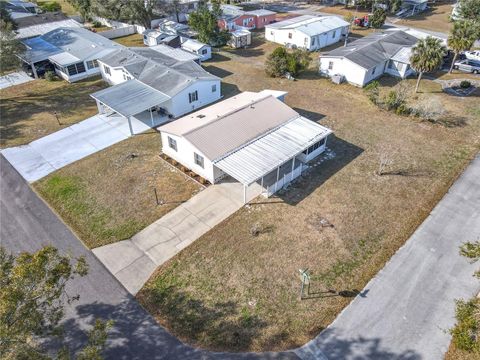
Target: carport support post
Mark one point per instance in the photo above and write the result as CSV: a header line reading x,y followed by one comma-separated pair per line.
x,y
130,125
244,194
151,116
35,75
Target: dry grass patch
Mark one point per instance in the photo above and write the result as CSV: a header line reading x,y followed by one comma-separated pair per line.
x,y
131,40
109,196
230,290
27,110
454,353
436,18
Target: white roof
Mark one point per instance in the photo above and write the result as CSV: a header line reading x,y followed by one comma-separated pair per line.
x,y
175,53
403,55
254,160
193,45
64,58
311,25
240,32
261,12
40,29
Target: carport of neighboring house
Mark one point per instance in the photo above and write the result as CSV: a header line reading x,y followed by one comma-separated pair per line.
x,y
133,98
271,162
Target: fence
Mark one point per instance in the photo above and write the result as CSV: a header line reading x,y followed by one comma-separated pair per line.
x,y
119,32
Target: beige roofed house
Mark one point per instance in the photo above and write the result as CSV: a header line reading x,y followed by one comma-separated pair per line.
x,y
252,137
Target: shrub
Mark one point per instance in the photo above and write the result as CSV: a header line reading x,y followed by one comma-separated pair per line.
x,y
51,6
50,76
349,17
466,332
378,18
97,24
281,61
372,91
465,84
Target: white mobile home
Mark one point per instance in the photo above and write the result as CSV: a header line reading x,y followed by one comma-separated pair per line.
x,y
204,51
258,141
307,31
368,58
150,85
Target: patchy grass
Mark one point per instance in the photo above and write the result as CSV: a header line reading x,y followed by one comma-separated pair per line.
x,y
436,18
455,353
131,40
231,291
109,196
28,109
67,8
343,11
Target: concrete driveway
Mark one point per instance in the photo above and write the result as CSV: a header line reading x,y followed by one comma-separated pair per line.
x,y
133,261
54,151
15,78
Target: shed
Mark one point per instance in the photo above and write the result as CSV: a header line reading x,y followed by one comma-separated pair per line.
x,y
240,38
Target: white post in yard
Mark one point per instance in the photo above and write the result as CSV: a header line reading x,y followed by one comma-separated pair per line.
x,y
151,117
130,125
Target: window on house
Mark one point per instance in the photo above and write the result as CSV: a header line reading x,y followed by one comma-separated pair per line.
x,y
305,41
198,159
214,87
75,69
390,64
289,35
330,65
334,33
373,71
172,143
271,33
106,69
204,51
313,41
193,96
314,147
92,64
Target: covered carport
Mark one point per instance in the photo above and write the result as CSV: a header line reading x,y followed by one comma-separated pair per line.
x,y
38,51
275,159
131,98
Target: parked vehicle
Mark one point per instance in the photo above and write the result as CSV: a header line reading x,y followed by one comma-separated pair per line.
x,y
468,66
473,55
362,22
41,69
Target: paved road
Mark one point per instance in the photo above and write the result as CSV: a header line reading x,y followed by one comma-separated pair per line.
x,y
410,303
28,224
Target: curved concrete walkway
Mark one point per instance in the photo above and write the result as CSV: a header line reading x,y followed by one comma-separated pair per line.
x,y
403,314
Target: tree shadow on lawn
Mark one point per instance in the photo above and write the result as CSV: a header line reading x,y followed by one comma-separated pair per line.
x,y
215,70
322,168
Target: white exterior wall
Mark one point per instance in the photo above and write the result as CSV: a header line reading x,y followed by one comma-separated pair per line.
x,y
116,76
302,40
180,105
203,57
184,155
73,78
399,69
353,73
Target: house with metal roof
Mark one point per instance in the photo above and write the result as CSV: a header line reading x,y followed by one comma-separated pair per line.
x,y
39,24
204,51
368,58
308,31
153,86
233,17
254,138
72,50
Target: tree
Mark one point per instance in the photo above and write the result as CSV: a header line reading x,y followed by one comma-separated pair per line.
x,y
427,55
32,297
469,10
10,48
84,7
378,18
461,38
205,23
5,18
280,62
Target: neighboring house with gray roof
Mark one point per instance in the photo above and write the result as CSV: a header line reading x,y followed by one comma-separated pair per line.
x,y
73,51
258,140
368,58
307,31
181,86
39,24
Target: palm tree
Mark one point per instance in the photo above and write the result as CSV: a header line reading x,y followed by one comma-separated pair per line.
x,y
427,55
461,38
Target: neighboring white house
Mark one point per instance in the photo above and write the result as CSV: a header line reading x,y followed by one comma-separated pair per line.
x,y
73,51
146,81
307,31
198,48
366,59
254,138
154,37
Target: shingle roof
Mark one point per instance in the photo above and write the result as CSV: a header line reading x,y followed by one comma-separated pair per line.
x,y
373,49
158,70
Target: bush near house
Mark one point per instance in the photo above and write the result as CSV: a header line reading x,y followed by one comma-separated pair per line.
x,y
281,61
50,6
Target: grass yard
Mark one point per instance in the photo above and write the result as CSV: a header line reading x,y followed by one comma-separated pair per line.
x,y
109,196
454,353
131,40
436,18
67,8
28,109
233,291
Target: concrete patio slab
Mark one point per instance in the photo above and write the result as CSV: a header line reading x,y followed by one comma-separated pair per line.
x,y
15,78
163,239
54,151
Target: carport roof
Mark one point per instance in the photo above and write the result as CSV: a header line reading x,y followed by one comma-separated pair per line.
x,y
257,159
130,97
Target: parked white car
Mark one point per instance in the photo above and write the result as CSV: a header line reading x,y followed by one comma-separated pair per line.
x,y
473,55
